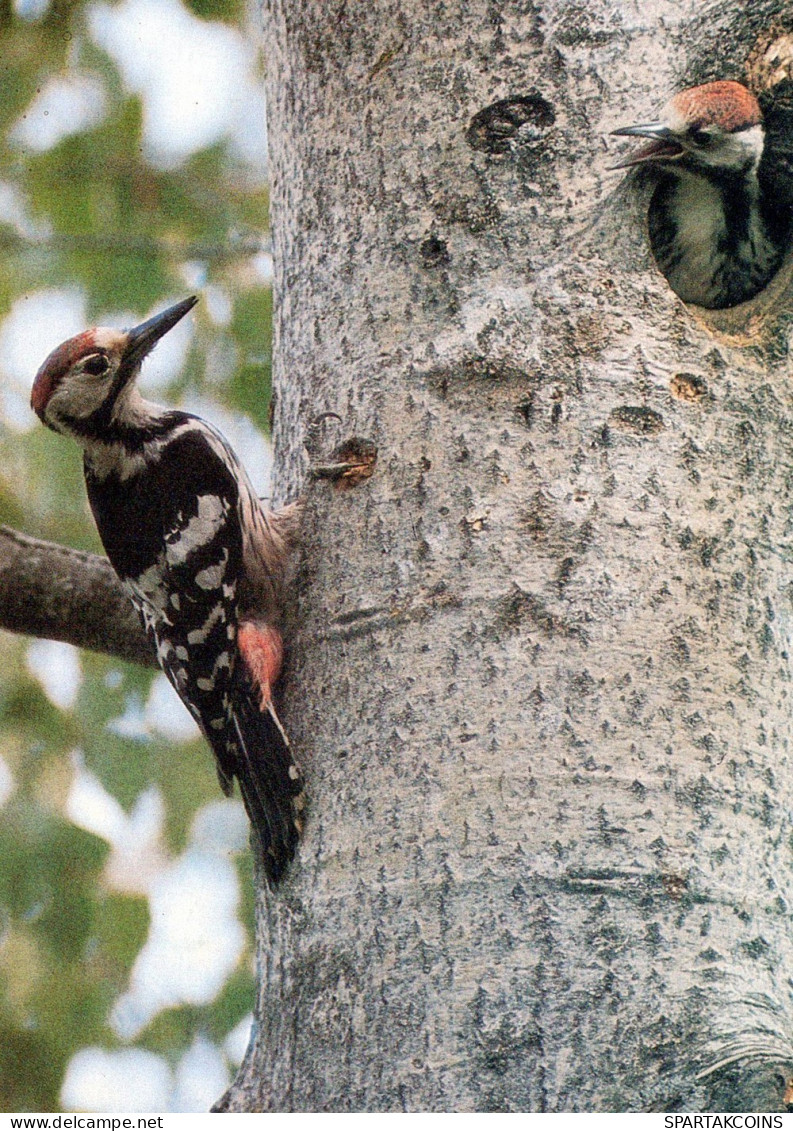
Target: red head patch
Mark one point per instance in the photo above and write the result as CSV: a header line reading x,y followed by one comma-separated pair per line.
x,y
727,104
56,367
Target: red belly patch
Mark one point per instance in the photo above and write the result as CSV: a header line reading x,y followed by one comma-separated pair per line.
x,y
262,649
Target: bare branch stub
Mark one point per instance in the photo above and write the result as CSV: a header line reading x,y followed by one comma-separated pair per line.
x,y
350,463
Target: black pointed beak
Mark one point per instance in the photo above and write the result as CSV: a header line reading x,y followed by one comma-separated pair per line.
x,y
663,142
142,339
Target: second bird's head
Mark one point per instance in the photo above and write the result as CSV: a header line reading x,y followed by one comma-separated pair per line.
x,y
712,130
86,381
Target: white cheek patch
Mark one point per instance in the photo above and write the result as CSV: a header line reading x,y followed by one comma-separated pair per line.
x,y
740,150
83,396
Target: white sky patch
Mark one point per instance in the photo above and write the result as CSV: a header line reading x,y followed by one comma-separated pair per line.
x,y
194,273
249,136
35,325
7,783
132,724
202,1076
220,827
136,855
195,941
196,78
66,104
136,1080
14,212
167,715
57,668
31,9
114,679
91,807
219,306
236,1043
221,361
263,266
128,1080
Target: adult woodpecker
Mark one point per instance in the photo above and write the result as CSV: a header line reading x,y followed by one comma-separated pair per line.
x,y
202,560
715,229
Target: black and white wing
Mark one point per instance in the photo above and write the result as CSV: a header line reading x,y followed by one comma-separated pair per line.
x,y
174,536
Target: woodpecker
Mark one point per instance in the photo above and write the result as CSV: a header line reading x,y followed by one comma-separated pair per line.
x,y
715,229
200,557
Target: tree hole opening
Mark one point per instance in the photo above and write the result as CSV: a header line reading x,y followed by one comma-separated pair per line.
x,y
715,263
524,119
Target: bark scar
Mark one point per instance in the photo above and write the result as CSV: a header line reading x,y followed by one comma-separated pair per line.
x,y
350,463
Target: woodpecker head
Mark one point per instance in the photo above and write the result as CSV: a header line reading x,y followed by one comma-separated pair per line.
x,y
715,128
88,381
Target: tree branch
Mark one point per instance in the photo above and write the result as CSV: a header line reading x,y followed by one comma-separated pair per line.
x,y
64,594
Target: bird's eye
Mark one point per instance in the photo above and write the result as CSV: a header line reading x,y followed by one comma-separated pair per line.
x,y
701,137
95,365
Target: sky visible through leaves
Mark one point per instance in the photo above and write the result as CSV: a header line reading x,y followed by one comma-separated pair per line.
x,y
132,173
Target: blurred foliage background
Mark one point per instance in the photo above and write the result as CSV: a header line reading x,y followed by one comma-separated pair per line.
x,y
132,173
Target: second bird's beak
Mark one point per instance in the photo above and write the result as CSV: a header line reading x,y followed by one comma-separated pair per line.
x,y
663,143
142,339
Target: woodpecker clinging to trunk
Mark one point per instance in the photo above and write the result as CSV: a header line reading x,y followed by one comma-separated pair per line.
x,y
715,229
201,559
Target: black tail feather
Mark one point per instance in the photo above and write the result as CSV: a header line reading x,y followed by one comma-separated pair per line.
x,y
270,781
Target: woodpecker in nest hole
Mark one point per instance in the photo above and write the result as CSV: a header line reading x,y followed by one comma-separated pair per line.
x,y
717,229
201,559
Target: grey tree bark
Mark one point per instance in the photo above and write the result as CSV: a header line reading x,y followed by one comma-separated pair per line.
x,y
540,678
64,594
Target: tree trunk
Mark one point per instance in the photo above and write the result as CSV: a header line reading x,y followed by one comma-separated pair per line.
x,y
539,678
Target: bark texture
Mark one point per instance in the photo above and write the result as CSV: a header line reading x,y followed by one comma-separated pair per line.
x,y
540,678
64,594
